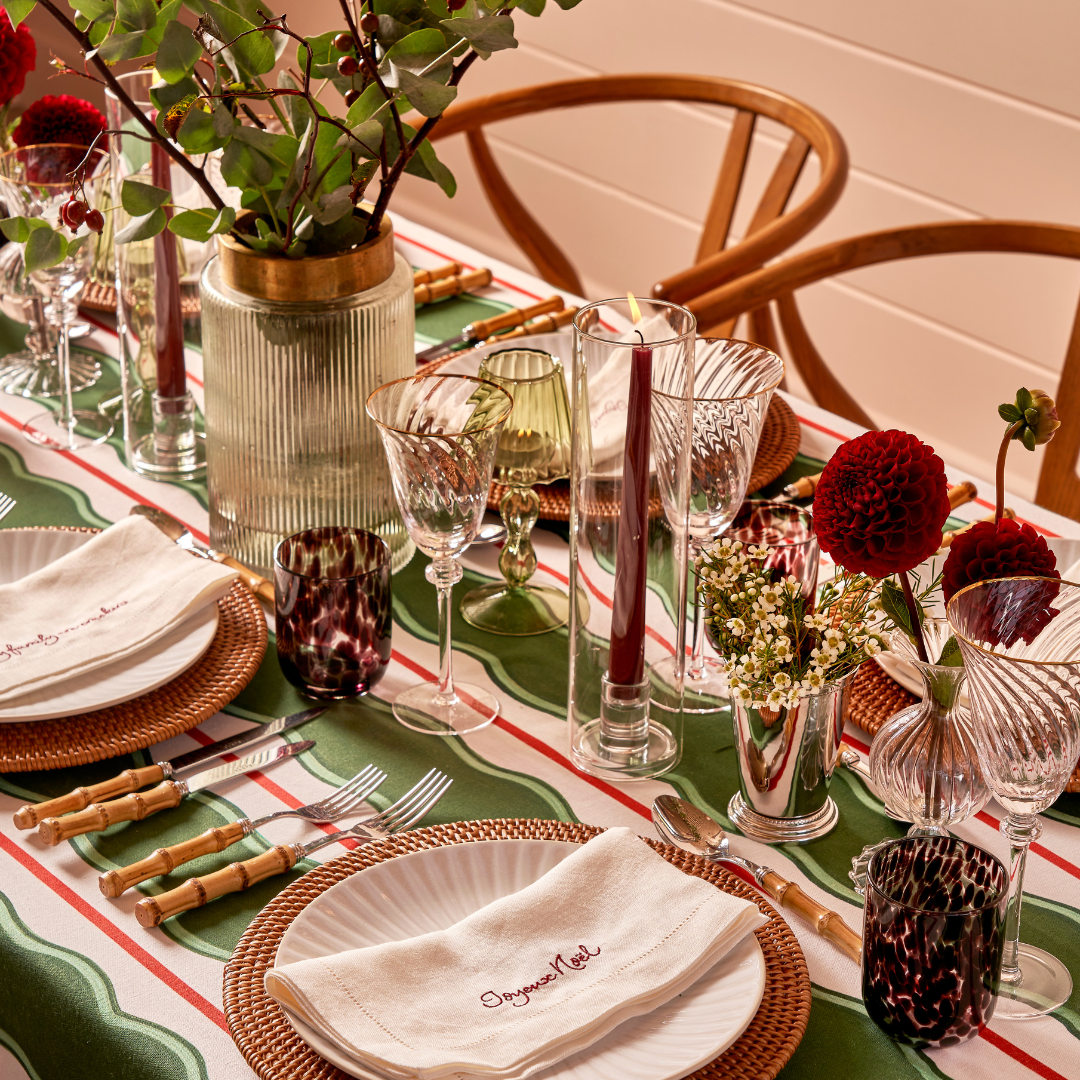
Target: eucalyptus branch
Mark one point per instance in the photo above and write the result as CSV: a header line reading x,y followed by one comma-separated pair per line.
x,y
367,58
114,85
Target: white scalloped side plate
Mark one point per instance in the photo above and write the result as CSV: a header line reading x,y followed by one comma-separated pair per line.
x,y
22,551
435,888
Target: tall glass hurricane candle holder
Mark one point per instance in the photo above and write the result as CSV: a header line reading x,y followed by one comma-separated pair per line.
x,y
157,303
440,434
35,182
631,404
1020,639
534,448
733,385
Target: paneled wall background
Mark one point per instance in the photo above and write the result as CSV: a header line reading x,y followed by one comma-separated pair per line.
x,y
964,109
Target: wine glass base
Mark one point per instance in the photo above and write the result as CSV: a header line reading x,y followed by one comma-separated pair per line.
x,y
1045,984
517,612
25,375
89,429
420,709
705,695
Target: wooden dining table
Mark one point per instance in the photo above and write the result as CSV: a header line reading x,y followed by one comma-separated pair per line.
x,y
84,991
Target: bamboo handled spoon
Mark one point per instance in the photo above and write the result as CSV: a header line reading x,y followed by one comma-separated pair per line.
x,y
684,825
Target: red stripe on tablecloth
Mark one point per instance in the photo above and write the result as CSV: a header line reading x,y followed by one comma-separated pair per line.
x,y
538,745
111,481
129,945
1022,1056
468,266
818,427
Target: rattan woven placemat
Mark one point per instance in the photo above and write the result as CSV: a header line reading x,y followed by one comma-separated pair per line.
x,y
875,697
192,697
274,1050
97,296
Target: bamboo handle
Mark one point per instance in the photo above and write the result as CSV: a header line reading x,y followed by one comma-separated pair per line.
x,y
803,488
422,277
483,328
827,923
546,324
452,286
100,816
195,892
166,859
26,817
952,534
254,583
962,493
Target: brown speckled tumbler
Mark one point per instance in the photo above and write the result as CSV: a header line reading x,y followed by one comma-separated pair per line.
x,y
332,592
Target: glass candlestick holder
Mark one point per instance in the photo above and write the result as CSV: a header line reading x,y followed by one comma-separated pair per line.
x,y
534,448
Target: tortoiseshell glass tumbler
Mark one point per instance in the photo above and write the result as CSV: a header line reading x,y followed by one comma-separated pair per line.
x,y
332,593
933,939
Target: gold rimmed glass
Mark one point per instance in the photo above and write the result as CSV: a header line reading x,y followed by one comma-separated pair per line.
x,y
1020,639
36,182
534,448
440,434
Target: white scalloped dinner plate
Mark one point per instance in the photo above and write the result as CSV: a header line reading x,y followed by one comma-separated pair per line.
x,y
22,551
435,888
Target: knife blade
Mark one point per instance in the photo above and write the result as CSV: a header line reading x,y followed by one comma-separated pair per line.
x,y
26,817
141,804
484,328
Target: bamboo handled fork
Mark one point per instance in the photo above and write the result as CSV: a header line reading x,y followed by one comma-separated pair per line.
x,y
163,861
409,809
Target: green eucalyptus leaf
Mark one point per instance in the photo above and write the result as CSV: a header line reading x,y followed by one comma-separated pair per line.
x,y
165,95
391,31
417,50
531,7
143,227
198,133
427,97
78,242
136,14
18,229
298,110
118,47
950,654
243,167
366,104
1009,413
280,150
203,223
140,199
178,52
88,9
44,248
363,174
18,10
366,138
224,122
247,56
333,206
166,14
256,243
296,250
566,5
425,163
486,35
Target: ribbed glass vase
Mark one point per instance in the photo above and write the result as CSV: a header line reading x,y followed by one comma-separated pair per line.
x,y
289,445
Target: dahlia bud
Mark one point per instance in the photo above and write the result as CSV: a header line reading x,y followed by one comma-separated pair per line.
x,y
1035,415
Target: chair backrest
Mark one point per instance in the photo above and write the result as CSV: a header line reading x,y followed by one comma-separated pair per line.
x,y
771,229
1058,488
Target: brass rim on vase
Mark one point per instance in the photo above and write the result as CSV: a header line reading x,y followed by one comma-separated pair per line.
x,y
314,278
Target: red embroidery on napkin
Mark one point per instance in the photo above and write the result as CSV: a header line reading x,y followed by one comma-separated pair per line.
x,y
492,999
9,652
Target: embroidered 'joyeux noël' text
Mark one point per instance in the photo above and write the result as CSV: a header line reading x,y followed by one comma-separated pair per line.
x,y
561,965
13,652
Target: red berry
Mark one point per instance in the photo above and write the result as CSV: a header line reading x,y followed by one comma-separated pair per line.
x,y
347,66
369,22
351,97
455,5
73,213
95,221
344,43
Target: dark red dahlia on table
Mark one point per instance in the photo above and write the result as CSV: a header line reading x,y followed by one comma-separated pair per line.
x,y
59,119
881,503
18,55
988,550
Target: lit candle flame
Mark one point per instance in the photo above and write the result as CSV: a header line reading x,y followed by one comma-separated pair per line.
x,y
635,311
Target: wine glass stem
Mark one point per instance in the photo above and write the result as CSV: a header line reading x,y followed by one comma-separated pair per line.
x,y
63,358
697,642
1020,830
444,574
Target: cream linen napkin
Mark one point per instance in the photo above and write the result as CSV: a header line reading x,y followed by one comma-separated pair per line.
x,y
108,599
612,932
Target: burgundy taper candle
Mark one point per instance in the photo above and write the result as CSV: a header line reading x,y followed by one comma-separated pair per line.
x,y
168,315
626,661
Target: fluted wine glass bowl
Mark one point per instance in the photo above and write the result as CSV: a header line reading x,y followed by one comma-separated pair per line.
x,y
534,448
440,433
925,761
1020,639
733,386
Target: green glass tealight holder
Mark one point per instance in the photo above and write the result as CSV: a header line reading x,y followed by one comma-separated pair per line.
x,y
534,449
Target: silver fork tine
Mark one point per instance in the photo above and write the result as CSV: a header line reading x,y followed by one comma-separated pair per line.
x,y
356,790
379,819
407,804
422,810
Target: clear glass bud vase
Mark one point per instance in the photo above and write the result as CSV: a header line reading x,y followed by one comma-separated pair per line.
x,y
924,760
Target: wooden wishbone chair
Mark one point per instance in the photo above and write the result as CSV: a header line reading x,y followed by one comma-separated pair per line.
x,y
771,231
1058,488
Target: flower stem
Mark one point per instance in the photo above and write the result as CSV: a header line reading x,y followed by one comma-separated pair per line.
x,y
916,618
999,478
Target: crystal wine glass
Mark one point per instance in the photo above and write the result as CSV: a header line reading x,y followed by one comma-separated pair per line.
x,y
1020,639
534,448
733,385
440,434
36,182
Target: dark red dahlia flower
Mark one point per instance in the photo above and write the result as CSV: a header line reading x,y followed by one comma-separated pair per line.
x,y
18,55
881,503
59,119
986,551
